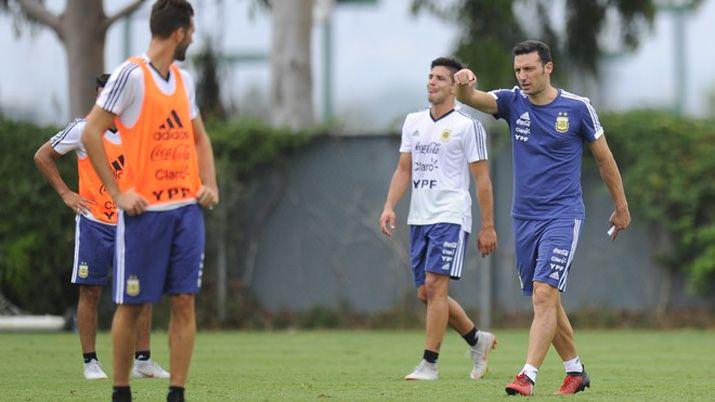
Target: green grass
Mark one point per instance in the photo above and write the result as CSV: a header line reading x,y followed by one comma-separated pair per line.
x,y
367,365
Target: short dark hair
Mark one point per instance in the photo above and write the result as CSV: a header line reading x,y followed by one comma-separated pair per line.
x,y
450,63
169,15
529,46
101,80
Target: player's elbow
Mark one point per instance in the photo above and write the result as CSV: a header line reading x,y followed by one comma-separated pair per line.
x,y
41,157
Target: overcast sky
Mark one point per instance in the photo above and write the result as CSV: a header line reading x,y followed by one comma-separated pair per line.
x,y
381,58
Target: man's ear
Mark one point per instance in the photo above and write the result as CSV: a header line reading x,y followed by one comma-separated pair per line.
x,y
549,67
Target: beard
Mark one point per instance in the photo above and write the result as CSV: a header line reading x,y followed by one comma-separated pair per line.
x,y
180,52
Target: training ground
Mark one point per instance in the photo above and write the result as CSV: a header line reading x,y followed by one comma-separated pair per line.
x,y
366,366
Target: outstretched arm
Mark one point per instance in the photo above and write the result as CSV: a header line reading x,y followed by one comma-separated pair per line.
x,y
398,185
621,216
467,94
487,240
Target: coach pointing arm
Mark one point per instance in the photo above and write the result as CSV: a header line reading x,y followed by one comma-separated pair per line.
x,y
467,94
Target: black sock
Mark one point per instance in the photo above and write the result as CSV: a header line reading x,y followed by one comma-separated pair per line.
x,y
89,356
142,355
122,394
176,394
430,356
471,337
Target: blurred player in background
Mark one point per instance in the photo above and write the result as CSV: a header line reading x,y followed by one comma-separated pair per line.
x,y
94,239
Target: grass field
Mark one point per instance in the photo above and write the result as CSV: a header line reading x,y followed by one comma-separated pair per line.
x,y
366,365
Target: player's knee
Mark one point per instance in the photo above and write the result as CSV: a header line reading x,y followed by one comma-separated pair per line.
x,y
89,294
435,287
182,305
422,294
544,296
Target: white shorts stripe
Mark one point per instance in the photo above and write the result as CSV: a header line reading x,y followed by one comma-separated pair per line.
x,y
119,278
456,270
574,244
75,265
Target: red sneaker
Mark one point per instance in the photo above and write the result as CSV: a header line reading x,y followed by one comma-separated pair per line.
x,y
573,383
521,385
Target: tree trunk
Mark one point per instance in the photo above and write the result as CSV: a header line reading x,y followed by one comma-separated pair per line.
x,y
85,51
82,29
291,73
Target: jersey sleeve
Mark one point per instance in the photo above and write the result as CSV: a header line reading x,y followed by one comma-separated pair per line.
x,y
474,142
69,139
406,144
591,129
123,88
191,93
504,98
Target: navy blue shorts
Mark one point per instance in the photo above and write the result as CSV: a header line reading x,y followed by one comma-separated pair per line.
x,y
158,252
93,252
439,248
544,251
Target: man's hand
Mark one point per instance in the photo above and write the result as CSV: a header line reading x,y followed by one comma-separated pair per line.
x,y
131,202
465,76
207,197
76,202
620,219
387,222
487,241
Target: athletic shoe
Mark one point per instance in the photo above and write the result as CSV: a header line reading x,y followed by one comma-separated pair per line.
x,y
574,382
521,385
148,369
93,370
424,371
486,341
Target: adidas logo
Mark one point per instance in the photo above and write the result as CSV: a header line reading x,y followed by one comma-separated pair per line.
x,y
554,275
171,123
525,116
118,163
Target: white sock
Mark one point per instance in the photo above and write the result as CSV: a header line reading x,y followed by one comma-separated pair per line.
x,y
530,371
574,365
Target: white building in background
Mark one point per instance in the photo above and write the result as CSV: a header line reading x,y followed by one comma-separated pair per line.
x,y
381,57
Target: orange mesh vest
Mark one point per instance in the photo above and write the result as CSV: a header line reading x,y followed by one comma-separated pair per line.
x,y
91,187
159,149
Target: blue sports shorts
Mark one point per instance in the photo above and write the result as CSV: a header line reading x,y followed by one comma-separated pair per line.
x,y
93,252
439,248
544,251
158,252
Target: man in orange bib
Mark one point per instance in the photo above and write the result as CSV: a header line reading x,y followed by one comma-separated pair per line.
x,y
94,239
170,172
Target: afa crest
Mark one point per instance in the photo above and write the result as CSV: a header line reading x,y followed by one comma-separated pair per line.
x,y
83,270
445,134
133,287
562,122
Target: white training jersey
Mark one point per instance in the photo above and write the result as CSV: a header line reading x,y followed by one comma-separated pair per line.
x,y
441,151
124,93
70,139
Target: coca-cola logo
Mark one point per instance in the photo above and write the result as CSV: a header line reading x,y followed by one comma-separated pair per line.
x,y
178,152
